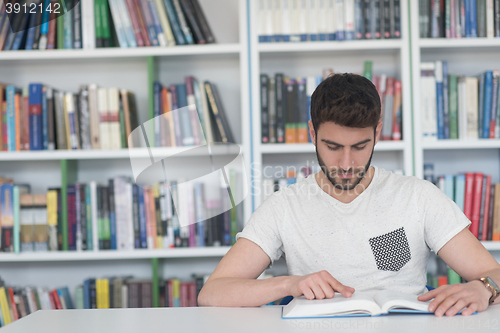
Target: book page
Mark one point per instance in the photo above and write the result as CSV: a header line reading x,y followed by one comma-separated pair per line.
x,y
358,303
389,300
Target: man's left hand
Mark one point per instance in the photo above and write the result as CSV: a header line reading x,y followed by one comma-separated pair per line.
x,y
450,299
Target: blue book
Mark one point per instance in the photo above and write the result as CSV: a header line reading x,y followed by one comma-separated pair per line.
x,y
446,107
471,13
460,191
156,21
157,88
488,99
148,21
31,32
176,116
198,199
112,214
86,294
44,28
187,134
439,99
20,38
480,117
68,30
142,219
11,117
67,297
45,120
88,220
136,217
448,186
174,22
35,116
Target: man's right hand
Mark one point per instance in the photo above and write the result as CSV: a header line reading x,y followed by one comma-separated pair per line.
x,y
317,285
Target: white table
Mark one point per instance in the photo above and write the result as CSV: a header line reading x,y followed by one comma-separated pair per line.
x,y
236,320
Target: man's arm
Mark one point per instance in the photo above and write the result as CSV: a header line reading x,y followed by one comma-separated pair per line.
x,y
233,282
468,257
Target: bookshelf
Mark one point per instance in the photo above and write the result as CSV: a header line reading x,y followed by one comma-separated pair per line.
x,y
134,69
465,56
389,56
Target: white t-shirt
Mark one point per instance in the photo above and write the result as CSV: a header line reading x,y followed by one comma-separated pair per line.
x,y
380,240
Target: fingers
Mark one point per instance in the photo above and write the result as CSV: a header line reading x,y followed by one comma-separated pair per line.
x,y
470,310
428,295
336,285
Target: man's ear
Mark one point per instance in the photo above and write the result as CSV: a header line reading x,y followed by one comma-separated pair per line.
x,y
378,130
312,133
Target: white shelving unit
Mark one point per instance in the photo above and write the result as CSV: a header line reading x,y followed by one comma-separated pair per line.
x,y
310,58
465,56
224,63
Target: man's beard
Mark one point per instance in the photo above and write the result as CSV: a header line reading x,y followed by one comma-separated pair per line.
x,y
345,184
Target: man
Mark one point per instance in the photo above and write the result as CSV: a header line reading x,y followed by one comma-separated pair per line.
x,y
353,227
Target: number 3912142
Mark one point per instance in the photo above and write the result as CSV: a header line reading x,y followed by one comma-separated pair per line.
x,y
31,8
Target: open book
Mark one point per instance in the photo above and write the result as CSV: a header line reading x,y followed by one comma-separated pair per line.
x,y
359,304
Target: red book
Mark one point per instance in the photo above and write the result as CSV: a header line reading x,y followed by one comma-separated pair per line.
x,y
476,203
184,294
25,138
192,296
142,25
52,301
135,22
469,186
10,292
487,208
56,299
442,280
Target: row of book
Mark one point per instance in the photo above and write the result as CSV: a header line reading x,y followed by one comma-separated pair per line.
x,y
285,105
459,18
271,185
458,107
104,293
38,117
476,195
328,20
119,215
204,118
56,24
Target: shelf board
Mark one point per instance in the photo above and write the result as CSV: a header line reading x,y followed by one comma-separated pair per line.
x,y
200,252
461,144
44,155
389,45
292,148
181,50
458,43
491,246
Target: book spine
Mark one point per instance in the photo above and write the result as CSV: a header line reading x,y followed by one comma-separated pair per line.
x,y
156,22
35,116
397,113
68,28
264,107
494,104
71,192
142,24
135,22
446,105
439,99
280,108
453,106
476,203
188,10
77,25
148,21
469,190
487,208
488,92
142,219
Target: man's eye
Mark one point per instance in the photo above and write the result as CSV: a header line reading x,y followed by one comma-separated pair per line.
x,y
360,148
333,148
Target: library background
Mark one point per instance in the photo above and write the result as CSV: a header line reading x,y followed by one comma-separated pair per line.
x,y
78,230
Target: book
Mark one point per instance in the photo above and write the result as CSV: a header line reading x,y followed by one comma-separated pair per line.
x,y
359,304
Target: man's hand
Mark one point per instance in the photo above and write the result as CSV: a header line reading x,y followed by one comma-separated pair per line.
x,y
450,299
317,285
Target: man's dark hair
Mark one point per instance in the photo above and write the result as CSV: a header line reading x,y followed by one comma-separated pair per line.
x,y
347,99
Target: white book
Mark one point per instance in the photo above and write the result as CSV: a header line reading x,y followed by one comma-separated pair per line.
x,y
462,108
428,101
88,24
104,130
349,19
303,19
490,30
330,17
94,215
268,17
312,27
119,25
277,24
294,21
261,25
127,23
360,303
472,85
124,296
339,13
168,37
114,118
69,106
286,28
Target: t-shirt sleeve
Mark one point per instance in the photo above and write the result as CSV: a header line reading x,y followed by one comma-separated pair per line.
x,y
442,218
263,228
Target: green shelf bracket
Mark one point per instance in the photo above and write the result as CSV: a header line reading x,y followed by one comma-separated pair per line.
x,y
155,283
